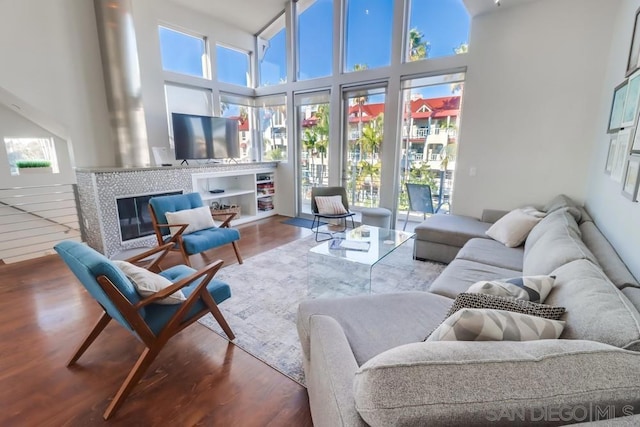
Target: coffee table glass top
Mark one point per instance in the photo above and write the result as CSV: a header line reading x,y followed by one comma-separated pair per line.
x,y
381,242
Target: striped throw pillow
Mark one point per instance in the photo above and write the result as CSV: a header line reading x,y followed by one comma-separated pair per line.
x,y
330,205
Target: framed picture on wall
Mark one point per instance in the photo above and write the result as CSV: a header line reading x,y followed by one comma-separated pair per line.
x,y
634,49
613,146
617,106
635,146
630,110
631,179
621,154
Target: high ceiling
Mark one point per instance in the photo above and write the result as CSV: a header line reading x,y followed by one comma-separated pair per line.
x,y
254,15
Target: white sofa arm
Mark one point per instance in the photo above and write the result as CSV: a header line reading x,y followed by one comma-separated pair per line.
x,y
469,383
329,376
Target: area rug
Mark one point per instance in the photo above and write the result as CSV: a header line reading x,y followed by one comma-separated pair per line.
x,y
300,222
267,288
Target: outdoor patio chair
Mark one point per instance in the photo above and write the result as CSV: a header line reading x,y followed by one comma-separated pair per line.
x,y
152,323
420,200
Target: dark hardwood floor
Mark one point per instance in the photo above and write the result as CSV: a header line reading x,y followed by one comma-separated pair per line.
x,y
199,378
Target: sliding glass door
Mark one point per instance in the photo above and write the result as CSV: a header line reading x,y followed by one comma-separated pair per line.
x,y
312,113
431,116
363,133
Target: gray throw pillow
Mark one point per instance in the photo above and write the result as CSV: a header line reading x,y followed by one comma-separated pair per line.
x,y
497,302
480,324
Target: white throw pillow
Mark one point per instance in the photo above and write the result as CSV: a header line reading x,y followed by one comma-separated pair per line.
x,y
148,283
527,288
481,324
513,228
197,218
330,205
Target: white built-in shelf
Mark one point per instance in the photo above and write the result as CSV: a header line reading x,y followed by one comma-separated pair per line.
x,y
227,193
240,189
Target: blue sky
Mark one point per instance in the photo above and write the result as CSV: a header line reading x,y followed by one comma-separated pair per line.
x,y
444,23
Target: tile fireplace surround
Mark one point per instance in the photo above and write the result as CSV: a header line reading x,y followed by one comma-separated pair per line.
x,y
98,190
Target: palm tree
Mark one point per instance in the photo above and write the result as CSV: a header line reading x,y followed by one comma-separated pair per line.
x,y
418,48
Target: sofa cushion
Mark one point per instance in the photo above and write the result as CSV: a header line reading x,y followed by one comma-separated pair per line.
x,y
527,288
633,294
551,223
478,383
596,309
462,273
483,324
472,300
563,201
394,319
453,230
488,251
607,257
513,228
554,249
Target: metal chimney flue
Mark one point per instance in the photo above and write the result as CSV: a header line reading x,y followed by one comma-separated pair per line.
x,y
119,52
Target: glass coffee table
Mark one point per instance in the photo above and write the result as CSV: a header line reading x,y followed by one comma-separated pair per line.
x,y
343,266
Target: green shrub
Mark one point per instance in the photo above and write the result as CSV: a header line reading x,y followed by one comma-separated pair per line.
x,y
33,164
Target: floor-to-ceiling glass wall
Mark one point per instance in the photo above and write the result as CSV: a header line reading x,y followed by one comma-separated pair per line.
x,y
428,146
363,133
312,113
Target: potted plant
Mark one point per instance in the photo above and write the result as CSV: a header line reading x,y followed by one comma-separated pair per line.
x,y
33,166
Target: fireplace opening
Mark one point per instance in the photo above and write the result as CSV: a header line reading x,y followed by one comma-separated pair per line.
x,y
134,217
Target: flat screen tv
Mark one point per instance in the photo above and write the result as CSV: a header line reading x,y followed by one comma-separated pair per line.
x,y
205,137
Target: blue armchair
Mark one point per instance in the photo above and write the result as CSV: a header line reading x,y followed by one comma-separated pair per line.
x,y
152,323
192,243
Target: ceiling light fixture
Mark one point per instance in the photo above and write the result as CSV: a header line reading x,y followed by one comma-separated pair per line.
x,y
497,2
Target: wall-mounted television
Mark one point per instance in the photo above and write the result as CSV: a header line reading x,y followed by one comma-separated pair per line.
x,y
205,137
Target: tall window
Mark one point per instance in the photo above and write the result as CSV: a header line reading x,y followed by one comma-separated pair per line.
x,y
31,149
436,28
315,38
312,110
368,34
183,53
272,53
240,109
430,122
232,66
364,127
272,116
188,100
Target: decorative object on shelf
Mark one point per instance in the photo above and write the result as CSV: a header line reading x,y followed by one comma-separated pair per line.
x,y
631,178
634,49
33,166
224,209
617,106
630,110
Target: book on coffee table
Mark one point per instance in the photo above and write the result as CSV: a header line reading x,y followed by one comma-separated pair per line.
x,y
353,245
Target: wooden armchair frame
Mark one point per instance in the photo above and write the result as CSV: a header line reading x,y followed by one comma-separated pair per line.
x,y
176,239
154,343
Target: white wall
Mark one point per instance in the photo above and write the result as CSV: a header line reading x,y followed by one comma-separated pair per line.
x,y
532,93
616,216
50,59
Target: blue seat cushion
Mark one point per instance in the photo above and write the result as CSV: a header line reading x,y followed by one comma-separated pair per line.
x,y
202,240
158,315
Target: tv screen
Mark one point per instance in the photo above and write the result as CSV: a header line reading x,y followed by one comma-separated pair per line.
x,y
205,137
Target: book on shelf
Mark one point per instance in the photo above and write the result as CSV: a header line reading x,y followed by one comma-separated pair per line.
x,y
352,245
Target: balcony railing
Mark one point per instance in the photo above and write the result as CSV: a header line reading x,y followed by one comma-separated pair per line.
x,y
34,219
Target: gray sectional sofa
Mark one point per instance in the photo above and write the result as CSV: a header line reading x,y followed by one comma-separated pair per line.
x,y
366,362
